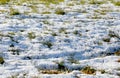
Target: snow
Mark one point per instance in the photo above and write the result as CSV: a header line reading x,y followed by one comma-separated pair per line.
x,y
86,47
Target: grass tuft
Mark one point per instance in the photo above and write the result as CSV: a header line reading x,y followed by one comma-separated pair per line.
x,y
48,44
2,2
14,12
59,11
31,35
116,2
118,60
48,2
88,70
117,53
1,60
51,72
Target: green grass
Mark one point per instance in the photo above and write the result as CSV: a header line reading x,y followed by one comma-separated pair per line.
x,y
54,34
102,71
59,11
97,2
93,1
48,44
34,9
46,12
19,2
4,1
107,39
14,11
62,30
31,35
82,2
47,2
52,1
75,32
115,2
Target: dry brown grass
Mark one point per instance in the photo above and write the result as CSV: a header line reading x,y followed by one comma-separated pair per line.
x,y
117,53
118,60
53,71
88,70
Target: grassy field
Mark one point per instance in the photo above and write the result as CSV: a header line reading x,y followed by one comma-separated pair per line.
x,y
47,2
31,1
59,38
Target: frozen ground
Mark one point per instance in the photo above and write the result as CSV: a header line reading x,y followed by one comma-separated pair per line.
x,y
86,35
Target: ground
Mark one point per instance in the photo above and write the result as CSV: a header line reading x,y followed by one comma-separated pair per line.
x,y
66,39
